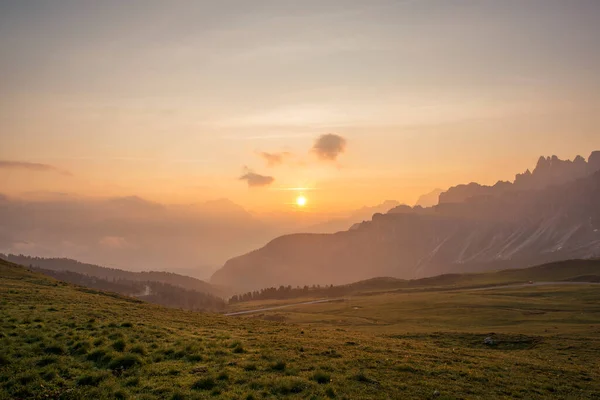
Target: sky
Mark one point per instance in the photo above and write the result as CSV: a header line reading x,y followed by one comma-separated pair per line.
x,y
346,102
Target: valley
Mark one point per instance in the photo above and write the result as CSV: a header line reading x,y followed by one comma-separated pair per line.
x,y
68,342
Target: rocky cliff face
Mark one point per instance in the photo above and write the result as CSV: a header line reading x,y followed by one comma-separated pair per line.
x,y
513,229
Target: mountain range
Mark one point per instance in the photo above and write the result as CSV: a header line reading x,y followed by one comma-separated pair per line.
x,y
360,215
550,214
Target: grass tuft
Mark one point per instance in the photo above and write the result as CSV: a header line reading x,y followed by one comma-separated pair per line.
x,y
207,383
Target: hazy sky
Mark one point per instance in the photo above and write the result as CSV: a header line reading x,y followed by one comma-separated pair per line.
x,y
174,101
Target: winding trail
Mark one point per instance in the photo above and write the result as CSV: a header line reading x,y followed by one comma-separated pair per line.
x,y
278,307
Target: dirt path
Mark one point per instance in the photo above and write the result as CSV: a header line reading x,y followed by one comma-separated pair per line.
x,y
278,307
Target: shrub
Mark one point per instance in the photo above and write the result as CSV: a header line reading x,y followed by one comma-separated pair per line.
x,y
119,345
223,376
361,377
278,366
204,384
100,357
125,362
250,367
55,349
321,377
80,348
4,359
90,380
138,349
48,375
194,357
288,386
132,382
26,379
238,349
46,361
330,393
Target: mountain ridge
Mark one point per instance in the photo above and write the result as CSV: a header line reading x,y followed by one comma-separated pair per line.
x,y
548,171
514,228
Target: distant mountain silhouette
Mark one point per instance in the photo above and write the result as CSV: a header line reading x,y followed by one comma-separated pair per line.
x,y
360,215
549,221
548,171
429,199
131,232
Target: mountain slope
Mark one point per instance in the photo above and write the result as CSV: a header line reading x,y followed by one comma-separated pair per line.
x,y
514,229
151,291
113,274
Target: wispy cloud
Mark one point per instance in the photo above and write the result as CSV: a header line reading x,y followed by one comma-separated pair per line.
x,y
37,167
256,180
274,159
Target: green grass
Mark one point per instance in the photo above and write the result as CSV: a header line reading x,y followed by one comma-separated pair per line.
x,y
59,341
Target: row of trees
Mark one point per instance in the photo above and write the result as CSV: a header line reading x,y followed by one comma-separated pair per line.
x,y
287,292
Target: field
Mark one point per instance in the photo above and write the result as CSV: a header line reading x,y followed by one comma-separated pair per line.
x,y
63,341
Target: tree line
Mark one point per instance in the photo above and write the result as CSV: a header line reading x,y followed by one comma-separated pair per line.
x,y
288,292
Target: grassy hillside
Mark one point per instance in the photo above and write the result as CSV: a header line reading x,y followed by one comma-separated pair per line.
x,y
113,274
63,341
569,270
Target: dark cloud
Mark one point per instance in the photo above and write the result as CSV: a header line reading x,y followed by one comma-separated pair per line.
x,y
274,159
329,146
31,167
256,180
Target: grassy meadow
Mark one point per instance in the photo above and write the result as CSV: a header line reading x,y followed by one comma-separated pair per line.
x,y
67,342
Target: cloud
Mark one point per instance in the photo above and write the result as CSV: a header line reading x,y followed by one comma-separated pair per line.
x,y
329,146
31,167
256,180
274,159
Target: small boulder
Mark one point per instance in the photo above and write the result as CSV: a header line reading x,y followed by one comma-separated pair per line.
x,y
489,341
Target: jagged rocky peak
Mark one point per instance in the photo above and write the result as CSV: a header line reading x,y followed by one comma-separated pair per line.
x,y
548,171
429,199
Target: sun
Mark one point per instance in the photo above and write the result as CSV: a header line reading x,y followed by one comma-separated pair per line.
x,y
301,201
